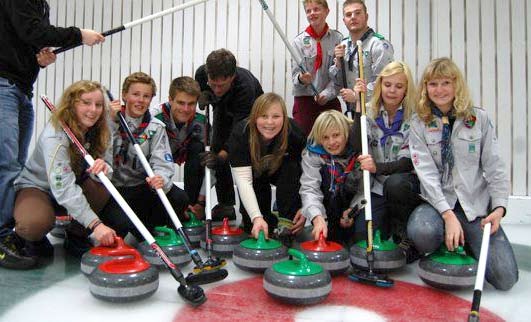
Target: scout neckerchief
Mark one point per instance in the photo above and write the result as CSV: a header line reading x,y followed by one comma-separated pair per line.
x,y
354,51
337,171
446,147
166,118
319,59
394,129
181,148
121,157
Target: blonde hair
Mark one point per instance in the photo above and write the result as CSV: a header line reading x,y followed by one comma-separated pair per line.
x,y
330,119
97,136
409,100
273,161
444,68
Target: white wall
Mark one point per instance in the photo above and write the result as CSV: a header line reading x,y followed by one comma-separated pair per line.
x,y
488,39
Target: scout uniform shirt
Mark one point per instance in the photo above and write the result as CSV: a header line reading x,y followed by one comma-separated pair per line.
x,y
479,176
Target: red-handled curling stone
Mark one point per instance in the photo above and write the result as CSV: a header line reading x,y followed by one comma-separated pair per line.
x,y
387,255
194,229
171,244
257,255
448,270
124,279
330,255
61,222
98,255
297,281
225,238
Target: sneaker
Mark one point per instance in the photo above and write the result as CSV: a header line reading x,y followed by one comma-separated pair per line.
x,y
221,211
409,250
41,248
12,254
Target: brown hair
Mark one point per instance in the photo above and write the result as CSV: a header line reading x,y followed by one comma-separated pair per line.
x,y
271,162
98,135
220,63
139,77
184,84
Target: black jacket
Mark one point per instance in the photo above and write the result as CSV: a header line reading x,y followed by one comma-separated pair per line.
x,y
24,30
232,107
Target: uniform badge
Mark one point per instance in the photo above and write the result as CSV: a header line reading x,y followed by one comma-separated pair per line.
x,y
471,147
395,149
306,41
168,157
433,126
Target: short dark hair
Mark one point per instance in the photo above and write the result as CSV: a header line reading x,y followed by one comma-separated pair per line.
x,y
220,63
184,84
349,2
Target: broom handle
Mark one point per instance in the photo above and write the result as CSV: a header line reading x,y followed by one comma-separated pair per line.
x,y
480,277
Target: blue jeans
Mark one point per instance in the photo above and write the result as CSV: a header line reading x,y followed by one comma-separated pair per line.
x,y
426,229
15,136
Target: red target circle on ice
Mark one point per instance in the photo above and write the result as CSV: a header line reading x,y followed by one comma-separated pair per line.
x,y
245,300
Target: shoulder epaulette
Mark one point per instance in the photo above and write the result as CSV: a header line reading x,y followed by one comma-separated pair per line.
x,y
346,38
379,36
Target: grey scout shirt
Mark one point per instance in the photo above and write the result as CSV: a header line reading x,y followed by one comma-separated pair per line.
x,y
377,52
306,47
154,144
479,175
49,169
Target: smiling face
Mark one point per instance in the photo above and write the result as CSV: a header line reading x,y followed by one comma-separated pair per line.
x,y
316,15
137,99
88,109
441,91
355,18
394,90
183,107
333,141
270,123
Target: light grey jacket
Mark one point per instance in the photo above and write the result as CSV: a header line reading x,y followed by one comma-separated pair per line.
x,y
479,175
310,190
396,146
48,169
154,144
306,47
377,52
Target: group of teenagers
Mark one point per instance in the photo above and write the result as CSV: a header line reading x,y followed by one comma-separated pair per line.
x,y
436,172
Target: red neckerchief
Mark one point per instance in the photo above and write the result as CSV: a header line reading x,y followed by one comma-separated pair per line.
x,y
314,35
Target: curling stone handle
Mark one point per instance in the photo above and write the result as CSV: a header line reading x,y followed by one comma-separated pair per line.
x,y
167,231
125,252
119,242
303,260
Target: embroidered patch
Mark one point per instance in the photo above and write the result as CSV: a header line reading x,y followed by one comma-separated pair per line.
x,y
433,126
470,121
405,126
415,158
306,41
471,147
395,149
168,157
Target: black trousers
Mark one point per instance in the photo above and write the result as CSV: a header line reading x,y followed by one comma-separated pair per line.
x,y
401,194
147,206
194,173
287,181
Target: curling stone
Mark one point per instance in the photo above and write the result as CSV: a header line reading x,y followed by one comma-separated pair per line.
x,y
125,279
97,255
331,256
387,255
297,281
171,244
257,255
448,270
225,238
59,227
194,229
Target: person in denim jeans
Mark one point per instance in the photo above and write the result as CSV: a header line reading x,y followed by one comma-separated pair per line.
x,y
463,178
25,35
